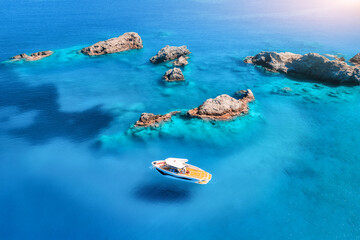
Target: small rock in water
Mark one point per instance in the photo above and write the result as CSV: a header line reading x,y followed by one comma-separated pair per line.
x,y
169,53
356,59
127,41
152,120
174,75
181,62
244,93
34,56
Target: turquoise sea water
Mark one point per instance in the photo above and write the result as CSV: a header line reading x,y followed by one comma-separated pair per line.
x,y
70,169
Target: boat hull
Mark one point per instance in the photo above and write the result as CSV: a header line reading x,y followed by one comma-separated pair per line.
x,y
171,175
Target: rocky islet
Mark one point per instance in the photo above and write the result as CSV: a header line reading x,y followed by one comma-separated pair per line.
x,y
127,41
173,75
311,65
221,108
152,120
169,53
34,56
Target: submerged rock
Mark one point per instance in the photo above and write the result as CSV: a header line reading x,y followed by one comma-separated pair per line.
x,y
310,65
152,120
356,59
286,91
169,53
127,41
34,56
174,75
181,62
333,94
222,107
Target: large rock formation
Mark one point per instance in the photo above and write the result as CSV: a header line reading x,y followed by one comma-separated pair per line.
x,y
174,75
223,107
169,53
181,62
33,57
127,41
152,120
311,65
356,59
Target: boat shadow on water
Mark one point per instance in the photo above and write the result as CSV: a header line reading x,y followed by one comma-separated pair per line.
x,y
50,121
166,192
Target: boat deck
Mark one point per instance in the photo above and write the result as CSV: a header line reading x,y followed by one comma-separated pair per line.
x,y
198,174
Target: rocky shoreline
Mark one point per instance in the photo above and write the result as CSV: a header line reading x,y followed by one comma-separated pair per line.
x,y
311,65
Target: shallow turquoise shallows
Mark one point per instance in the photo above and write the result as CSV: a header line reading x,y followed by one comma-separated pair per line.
x,y
70,168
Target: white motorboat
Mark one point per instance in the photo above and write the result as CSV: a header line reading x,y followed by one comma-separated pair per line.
x,y
179,168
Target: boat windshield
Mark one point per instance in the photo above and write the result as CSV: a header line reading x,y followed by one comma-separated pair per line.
x,y
176,162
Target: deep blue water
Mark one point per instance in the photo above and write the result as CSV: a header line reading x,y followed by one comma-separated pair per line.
x,y
70,169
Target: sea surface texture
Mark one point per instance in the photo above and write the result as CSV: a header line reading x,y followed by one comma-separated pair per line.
x,y
70,168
